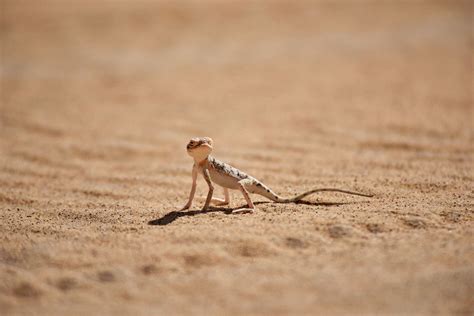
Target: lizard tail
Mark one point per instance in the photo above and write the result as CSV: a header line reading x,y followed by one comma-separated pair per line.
x,y
269,194
305,194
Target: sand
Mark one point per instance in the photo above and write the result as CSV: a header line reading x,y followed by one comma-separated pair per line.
x,y
98,101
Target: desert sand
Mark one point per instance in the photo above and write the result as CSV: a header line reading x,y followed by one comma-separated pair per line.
x,y
98,101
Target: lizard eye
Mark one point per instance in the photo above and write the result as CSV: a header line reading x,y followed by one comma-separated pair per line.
x,y
192,144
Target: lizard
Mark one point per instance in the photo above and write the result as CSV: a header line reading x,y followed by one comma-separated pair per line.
x,y
231,178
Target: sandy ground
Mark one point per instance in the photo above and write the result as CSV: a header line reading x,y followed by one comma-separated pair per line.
x,y
98,100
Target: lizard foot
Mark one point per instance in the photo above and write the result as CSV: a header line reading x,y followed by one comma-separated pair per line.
x,y
244,211
221,203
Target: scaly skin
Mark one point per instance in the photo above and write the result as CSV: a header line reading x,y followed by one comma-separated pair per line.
x,y
228,177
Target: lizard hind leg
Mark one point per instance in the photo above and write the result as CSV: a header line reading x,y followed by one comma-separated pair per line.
x,y
243,184
222,202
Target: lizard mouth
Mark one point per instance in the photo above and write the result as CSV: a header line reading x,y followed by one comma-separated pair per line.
x,y
198,143
190,148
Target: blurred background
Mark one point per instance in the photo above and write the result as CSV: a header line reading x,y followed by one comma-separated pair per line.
x,y
167,70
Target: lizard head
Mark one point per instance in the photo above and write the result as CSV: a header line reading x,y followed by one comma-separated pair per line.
x,y
199,148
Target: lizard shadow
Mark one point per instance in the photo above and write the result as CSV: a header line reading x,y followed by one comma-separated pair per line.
x,y
174,215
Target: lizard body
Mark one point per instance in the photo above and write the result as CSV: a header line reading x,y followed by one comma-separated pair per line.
x,y
228,177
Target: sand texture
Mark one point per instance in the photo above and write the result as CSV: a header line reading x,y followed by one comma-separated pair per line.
x,y
98,101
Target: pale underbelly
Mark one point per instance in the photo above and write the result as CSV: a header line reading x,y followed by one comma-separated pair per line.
x,y
224,180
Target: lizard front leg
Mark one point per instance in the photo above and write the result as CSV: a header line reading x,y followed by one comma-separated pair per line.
x,y
207,177
193,189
